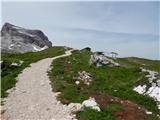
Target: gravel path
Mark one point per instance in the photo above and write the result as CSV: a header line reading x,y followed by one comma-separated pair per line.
x,y
32,98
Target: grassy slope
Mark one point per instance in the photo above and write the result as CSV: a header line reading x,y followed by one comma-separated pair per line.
x,y
9,74
132,62
105,81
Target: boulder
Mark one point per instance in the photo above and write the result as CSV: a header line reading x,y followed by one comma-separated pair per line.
x,y
99,60
75,107
16,39
91,103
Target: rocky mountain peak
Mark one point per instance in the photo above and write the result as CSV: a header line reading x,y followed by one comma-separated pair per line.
x,y
16,39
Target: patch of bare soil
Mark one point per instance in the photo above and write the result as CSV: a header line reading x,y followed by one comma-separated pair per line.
x,y
131,111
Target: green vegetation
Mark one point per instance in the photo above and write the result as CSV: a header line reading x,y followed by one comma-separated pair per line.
x,y
148,64
113,81
9,74
89,114
105,114
106,81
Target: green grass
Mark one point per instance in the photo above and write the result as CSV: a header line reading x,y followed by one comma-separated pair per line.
x,y
89,114
105,80
9,74
105,114
133,61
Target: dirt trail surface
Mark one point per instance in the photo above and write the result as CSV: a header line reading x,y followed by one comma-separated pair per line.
x,y
33,98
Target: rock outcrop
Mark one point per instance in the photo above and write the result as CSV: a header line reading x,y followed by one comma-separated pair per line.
x,y
100,60
16,39
78,107
91,103
153,87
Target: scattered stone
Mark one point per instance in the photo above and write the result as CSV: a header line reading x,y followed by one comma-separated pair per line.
x,y
88,83
84,77
148,113
152,75
91,103
14,64
140,89
154,90
99,60
75,107
77,82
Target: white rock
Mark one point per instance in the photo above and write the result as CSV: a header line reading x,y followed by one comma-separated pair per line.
x,y
96,108
88,83
1,61
91,103
153,84
99,60
77,82
14,64
148,112
154,92
143,70
85,77
75,107
140,89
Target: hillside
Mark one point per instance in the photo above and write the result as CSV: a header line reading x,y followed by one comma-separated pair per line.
x,y
110,85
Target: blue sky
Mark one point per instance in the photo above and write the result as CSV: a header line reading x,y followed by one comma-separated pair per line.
x,y
129,28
